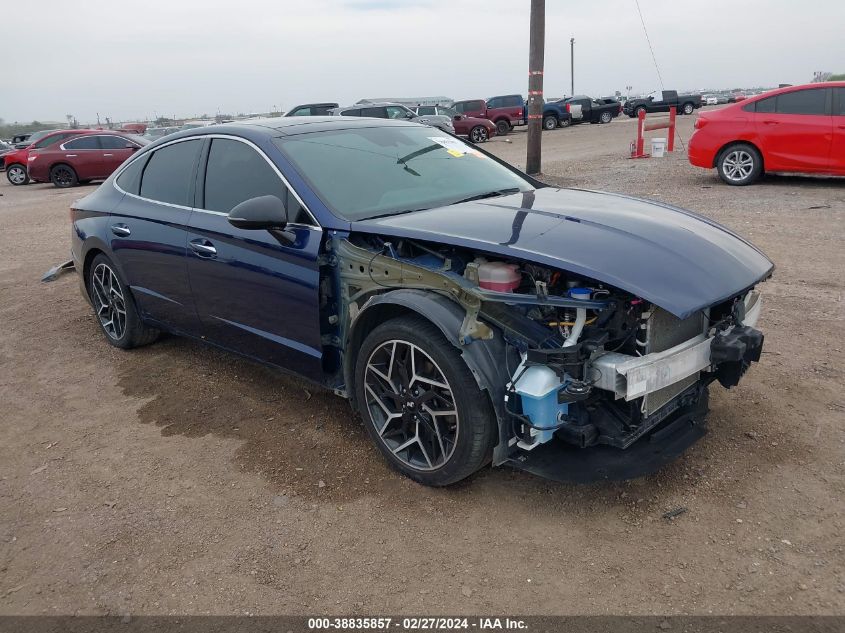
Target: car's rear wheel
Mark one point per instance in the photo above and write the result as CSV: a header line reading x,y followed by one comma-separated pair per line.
x,y
420,403
16,174
606,117
688,108
115,307
503,127
739,164
550,123
478,134
638,110
63,176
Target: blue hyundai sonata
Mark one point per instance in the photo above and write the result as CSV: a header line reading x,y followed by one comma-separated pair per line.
x,y
470,313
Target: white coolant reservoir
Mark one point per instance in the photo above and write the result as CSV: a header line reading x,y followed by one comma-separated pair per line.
x,y
499,276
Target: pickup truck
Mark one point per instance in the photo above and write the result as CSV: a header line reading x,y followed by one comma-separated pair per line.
x,y
508,111
584,109
661,102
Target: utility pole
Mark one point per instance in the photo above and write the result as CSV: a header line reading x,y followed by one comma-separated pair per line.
x,y
536,50
572,65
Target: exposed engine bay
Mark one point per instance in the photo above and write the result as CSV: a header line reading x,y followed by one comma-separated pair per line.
x,y
578,362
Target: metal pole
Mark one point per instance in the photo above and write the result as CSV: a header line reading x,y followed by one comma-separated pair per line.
x,y
572,65
536,49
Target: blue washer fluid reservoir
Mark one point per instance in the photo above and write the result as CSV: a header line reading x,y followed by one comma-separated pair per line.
x,y
537,388
580,293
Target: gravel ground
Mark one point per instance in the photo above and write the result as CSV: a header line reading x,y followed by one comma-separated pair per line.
x,y
177,479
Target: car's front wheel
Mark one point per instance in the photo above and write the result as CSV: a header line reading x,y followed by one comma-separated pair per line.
x,y
478,134
115,307
63,176
16,174
739,164
420,403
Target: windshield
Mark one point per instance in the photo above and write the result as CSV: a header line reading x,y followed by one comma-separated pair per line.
x,y
367,172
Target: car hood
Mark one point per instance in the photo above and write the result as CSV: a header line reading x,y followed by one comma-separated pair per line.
x,y
676,259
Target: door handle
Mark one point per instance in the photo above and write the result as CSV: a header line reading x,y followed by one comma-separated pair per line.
x,y
121,230
108,154
203,248
771,122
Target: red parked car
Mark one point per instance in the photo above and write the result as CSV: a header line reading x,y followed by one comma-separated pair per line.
x,y
82,159
477,130
16,160
799,129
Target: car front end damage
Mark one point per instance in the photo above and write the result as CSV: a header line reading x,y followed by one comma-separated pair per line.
x,y
587,381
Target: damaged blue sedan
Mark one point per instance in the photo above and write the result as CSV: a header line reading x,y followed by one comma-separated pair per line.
x,y
470,313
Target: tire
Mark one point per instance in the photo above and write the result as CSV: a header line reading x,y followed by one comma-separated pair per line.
x,y
503,127
445,447
638,110
688,108
606,117
109,294
17,174
63,176
549,123
565,122
478,134
739,164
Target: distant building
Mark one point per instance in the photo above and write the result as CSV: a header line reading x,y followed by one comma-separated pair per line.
x,y
412,101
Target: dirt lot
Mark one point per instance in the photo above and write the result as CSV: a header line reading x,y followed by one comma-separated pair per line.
x,y
177,479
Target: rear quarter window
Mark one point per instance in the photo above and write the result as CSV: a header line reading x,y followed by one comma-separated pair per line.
x,y
84,142
130,178
170,172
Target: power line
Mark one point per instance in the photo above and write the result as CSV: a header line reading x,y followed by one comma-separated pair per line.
x,y
650,47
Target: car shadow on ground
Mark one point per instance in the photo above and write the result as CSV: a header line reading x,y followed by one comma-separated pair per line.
x,y
307,443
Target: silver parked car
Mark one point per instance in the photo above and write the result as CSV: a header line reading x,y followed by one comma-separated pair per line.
x,y
396,111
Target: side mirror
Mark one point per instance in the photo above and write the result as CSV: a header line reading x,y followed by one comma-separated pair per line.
x,y
410,115
457,117
132,146
264,212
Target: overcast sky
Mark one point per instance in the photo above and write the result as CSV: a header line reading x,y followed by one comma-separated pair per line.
x,y
127,59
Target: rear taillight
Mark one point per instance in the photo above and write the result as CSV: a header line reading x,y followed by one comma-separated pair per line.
x,y
567,107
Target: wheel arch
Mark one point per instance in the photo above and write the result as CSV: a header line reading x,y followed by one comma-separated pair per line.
x,y
483,358
730,144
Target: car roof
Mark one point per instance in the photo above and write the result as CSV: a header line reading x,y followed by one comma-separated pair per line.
x,y
287,126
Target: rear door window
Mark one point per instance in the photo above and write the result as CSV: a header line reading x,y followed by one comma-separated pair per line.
x,y
170,173
840,93
351,112
513,101
115,142
379,113
301,112
811,101
494,103
84,142
426,110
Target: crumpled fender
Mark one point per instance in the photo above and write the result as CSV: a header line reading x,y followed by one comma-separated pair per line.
x,y
484,358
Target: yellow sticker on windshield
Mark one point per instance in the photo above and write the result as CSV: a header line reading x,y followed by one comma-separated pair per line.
x,y
452,145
